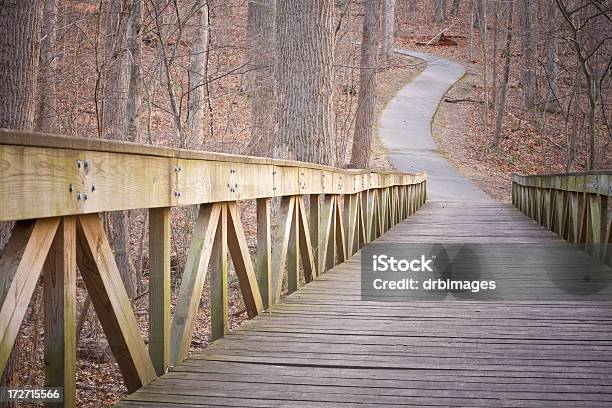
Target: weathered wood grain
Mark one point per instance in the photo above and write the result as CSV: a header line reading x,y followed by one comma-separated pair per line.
x,y
59,297
111,303
159,288
20,265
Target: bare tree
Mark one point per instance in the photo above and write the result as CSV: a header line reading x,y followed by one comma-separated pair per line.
x,y
366,105
134,96
305,87
528,80
470,41
505,81
496,12
438,11
197,77
552,69
115,90
260,83
586,46
388,27
46,111
20,26
455,7
485,79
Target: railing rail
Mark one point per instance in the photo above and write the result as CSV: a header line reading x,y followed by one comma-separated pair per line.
x,y
55,187
575,206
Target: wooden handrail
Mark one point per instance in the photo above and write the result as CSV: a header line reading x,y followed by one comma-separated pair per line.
x,y
574,206
55,187
49,176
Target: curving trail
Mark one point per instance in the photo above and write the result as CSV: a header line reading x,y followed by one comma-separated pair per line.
x,y
405,130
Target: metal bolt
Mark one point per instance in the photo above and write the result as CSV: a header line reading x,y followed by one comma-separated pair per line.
x,y
84,196
228,185
236,185
78,164
86,164
71,188
93,188
79,195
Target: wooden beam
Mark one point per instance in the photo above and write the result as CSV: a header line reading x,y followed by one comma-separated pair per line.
x,y
218,279
279,252
327,223
293,252
59,294
339,232
110,300
350,223
83,176
20,265
264,251
607,259
243,265
192,282
159,288
305,245
315,225
332,248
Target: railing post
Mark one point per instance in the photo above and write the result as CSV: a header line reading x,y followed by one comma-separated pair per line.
x,y
218,279
264,251
159,288
59,279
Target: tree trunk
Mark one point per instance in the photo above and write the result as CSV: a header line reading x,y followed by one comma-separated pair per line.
x,y
455,7
114,125
46,112
366,102
20,25
412,9
134,96
388,26
528,82
485,79
438,11
20,22
504,95
552,69
470,41
305,80
495,52
260,83
197,77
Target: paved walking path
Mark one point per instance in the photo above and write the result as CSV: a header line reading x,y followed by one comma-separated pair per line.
x,y
405,130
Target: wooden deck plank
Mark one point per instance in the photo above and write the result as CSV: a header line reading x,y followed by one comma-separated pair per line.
x,y
323,346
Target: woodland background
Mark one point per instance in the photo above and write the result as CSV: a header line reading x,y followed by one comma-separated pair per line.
x,y
294,79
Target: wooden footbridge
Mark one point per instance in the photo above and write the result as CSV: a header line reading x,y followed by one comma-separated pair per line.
x,y
322,345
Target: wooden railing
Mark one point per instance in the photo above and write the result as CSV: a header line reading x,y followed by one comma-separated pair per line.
x,y
574,206
54,187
